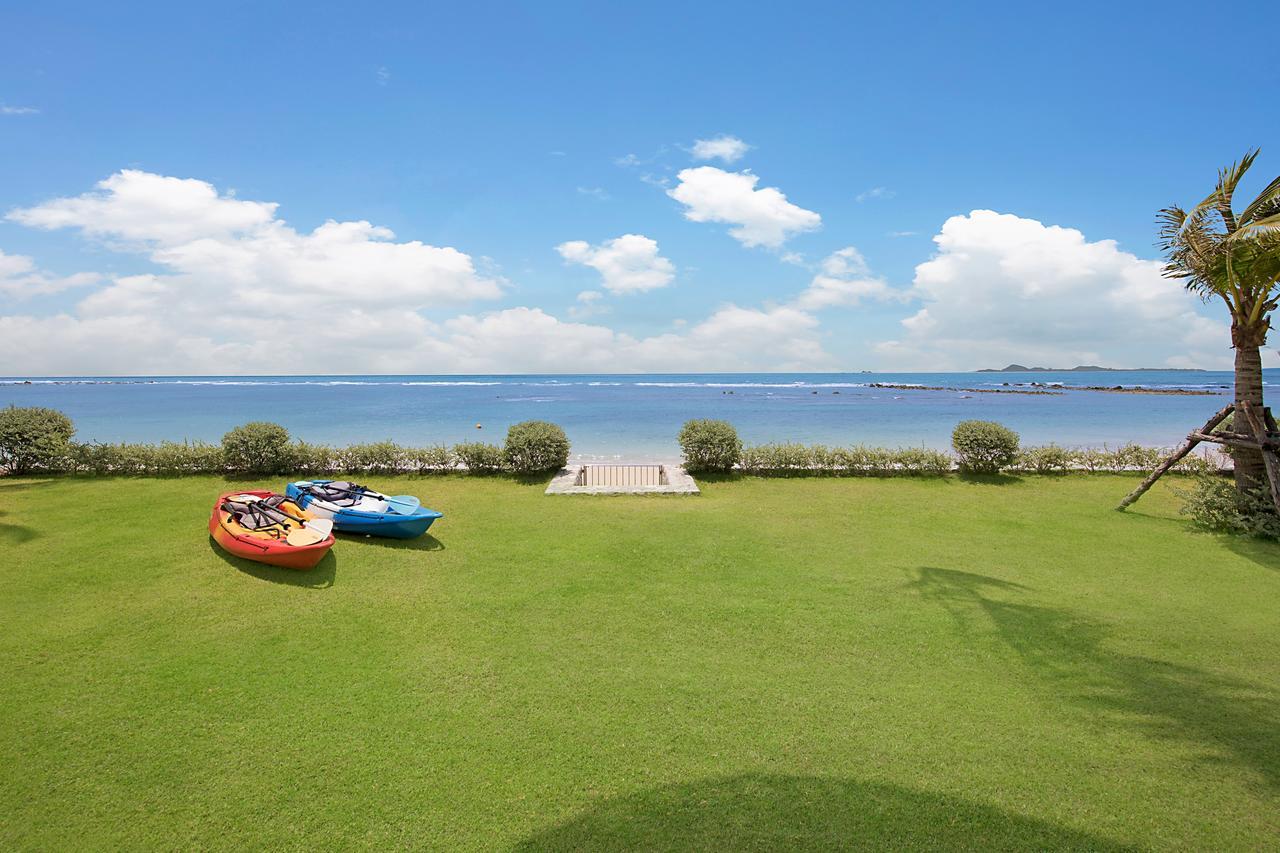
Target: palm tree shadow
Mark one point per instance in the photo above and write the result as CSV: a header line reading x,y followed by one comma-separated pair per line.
x,y
15,534
1227,719
776,812
1263,552
321,576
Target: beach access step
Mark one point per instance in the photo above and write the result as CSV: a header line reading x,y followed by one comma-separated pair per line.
x,y
621,475
622,479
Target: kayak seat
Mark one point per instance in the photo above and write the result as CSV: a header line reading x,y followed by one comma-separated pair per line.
x,y
339,493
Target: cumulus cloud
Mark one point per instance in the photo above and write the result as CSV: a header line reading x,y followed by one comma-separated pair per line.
x,y
728,149
731,339
238,252
844,279
760,217
627,264
237,290
1004,289
234,286
20,279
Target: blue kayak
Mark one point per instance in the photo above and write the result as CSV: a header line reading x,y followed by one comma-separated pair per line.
x,y
359,509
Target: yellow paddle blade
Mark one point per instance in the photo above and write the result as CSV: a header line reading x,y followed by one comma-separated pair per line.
x,y
301,536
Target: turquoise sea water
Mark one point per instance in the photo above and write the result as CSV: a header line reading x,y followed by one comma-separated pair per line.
x,y
631,416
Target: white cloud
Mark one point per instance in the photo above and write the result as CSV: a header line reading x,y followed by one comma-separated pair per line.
x,y
874,193
6,110
383,75
224,250
761,217
1005,289
731,339
845,280
595,192
20,279
153,209
728,149
237,290
627,264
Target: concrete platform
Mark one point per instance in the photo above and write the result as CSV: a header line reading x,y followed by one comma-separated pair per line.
x,y
622,479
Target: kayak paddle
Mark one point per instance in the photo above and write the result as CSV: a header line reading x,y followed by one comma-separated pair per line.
x,y
324,527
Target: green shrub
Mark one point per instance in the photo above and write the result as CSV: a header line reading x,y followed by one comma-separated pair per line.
x,y
710,445
33,437
1135,457
430,460
257,447
306,458
190,457
166,459
478,457
866,461
1196,463
777,459
380,457
1094,459
918,461
1214,504
1050,459
984,447
534,447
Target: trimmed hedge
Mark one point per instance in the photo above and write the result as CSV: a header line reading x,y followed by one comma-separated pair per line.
x,y
534,447
258,447
791,460
984,447
478,457
710,445
32,437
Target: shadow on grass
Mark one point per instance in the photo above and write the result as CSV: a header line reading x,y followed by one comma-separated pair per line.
x,y
425,542
1263,552
15,534
321,576
1228,720
773,812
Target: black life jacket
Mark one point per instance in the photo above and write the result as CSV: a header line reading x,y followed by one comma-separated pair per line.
x,y
257,515
338,493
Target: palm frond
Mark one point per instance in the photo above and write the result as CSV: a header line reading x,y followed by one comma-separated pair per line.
x,y
1228,179
1266,201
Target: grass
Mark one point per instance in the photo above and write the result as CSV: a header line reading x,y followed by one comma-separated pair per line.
x,y
931,663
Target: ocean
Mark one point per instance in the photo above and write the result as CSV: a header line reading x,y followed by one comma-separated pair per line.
x,y
634,417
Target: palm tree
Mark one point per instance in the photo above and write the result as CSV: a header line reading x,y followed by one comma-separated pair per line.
x,y
1236,258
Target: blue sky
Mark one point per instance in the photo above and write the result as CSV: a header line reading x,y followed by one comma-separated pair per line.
x,y
505,131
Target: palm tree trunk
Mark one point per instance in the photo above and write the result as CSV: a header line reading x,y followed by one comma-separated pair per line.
x,y
1249,470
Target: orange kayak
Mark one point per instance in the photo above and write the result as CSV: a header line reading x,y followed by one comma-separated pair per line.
x,y
265,544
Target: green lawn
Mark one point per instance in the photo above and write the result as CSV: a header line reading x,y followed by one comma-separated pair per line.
x,y
774,664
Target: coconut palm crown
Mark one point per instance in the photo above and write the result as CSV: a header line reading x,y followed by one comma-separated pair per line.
x,y
1219,253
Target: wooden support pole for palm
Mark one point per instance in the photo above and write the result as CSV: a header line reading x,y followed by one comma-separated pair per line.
x,y
1192,440
1259,430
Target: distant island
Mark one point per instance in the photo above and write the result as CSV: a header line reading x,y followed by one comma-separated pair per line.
x,y
1081,368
